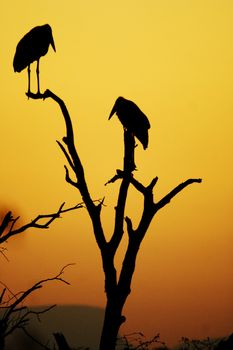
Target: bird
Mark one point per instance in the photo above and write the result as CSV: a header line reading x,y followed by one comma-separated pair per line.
x,y
32,47
132,119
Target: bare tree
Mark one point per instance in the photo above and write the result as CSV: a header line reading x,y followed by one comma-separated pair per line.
x,y
117,289
15,315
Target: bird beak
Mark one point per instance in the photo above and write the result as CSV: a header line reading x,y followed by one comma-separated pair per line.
x,y
53,45
112,112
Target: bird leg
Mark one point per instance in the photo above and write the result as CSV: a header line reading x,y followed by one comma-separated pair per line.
x,y
29,71
38,77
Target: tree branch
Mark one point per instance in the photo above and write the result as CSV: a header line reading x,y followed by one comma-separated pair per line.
x,y
35,223
17,316
66,155
166,199
119,175
76,165
129,226
5,222
126,176
68,178
8,320
136,236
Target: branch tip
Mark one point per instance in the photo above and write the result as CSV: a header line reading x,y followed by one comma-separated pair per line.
x,y
129,225
119,175
68,179
166,199
153,183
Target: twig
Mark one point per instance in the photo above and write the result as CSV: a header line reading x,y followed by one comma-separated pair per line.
x,y
2,295
2,250
119,175
68,179
5,222
66,155
9,321
34,339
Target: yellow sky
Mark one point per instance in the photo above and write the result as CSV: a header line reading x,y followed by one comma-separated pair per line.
x,y
174,59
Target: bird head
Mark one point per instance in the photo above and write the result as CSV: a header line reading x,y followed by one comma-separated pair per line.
x,y
50,36
116,106
52,43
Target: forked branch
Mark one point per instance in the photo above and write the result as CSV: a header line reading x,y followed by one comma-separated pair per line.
x,y
42,221
76,165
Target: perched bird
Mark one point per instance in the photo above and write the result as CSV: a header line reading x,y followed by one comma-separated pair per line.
x,y
132,119
30,48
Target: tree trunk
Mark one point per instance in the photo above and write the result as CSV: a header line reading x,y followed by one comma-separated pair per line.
x,y
112,322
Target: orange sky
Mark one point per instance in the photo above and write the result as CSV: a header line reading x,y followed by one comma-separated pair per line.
x,y
174,59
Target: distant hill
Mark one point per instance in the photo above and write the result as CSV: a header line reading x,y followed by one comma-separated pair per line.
x,y
81,326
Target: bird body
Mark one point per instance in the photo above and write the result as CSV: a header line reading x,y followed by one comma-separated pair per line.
x,y
31,47
132,119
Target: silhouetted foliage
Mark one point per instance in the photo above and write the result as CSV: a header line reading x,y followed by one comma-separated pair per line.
x,y
225,343
137,341
196,344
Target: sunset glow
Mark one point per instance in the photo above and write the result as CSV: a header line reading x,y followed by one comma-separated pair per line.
x,y
174,60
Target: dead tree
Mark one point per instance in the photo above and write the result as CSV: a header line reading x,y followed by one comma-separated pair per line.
x,y
117,289
15,315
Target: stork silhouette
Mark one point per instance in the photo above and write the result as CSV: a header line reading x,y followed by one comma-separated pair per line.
x,y
132,119
30,48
